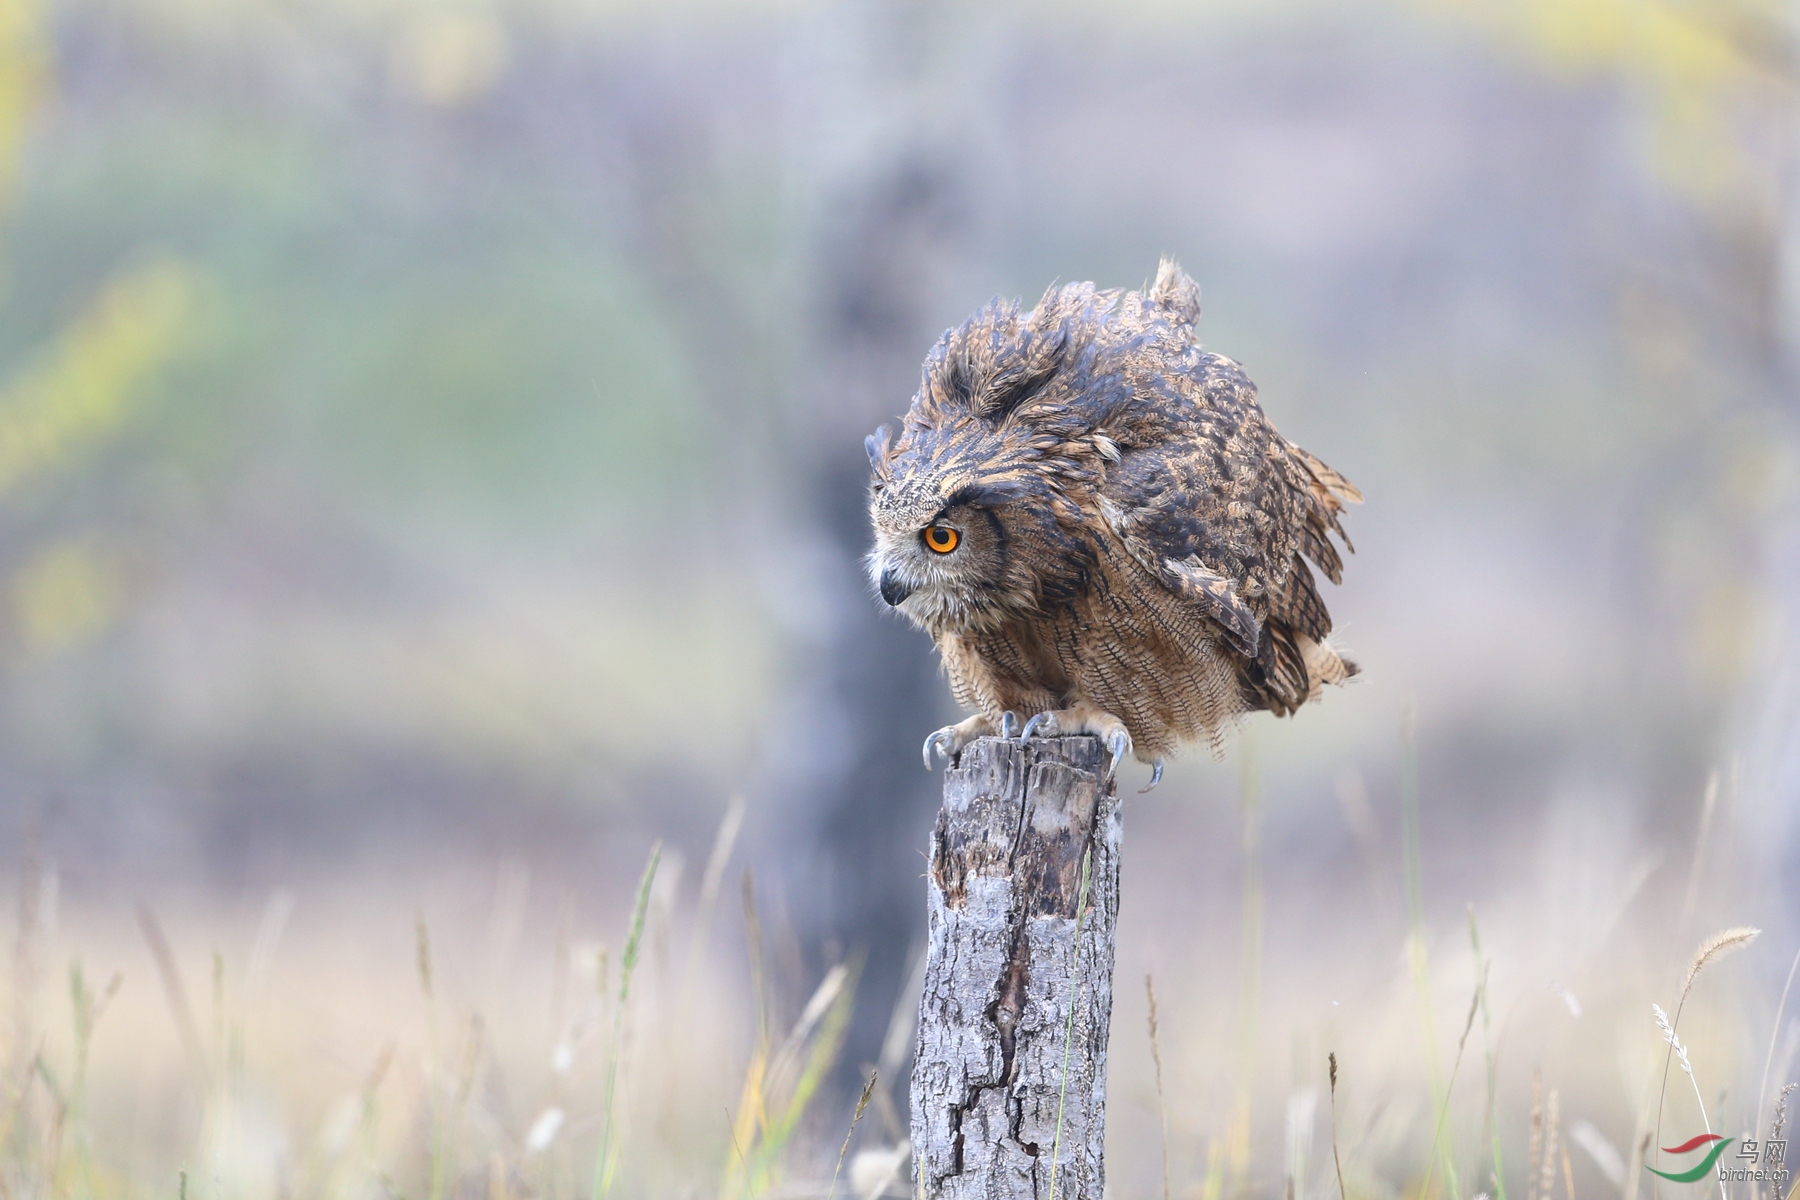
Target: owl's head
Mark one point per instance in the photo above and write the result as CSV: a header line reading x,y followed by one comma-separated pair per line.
x,y
975,506
951,552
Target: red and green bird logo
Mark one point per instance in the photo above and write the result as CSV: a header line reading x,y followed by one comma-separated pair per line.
x,y
1706,1164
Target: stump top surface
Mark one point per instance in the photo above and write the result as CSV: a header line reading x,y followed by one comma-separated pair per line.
x,y
1083,752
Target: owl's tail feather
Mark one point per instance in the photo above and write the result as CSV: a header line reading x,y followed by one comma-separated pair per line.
x,y
1337,488
1324,665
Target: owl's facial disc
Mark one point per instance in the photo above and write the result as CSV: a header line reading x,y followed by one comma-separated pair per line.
x,y
942,569
940,539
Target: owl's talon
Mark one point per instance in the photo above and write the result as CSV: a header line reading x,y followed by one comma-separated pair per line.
x,y
1155,777
1036,723
1009,721
1120,745
944,742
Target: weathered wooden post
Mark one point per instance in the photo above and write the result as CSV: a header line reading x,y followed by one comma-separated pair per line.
x,y
1009,1084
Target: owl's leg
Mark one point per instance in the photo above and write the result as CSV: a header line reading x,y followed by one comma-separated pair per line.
x,y
950,740
1084,718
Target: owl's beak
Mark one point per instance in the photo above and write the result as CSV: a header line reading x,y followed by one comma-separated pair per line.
x,y
892,589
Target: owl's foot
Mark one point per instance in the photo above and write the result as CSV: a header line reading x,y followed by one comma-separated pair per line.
x,y
1083,718
950,740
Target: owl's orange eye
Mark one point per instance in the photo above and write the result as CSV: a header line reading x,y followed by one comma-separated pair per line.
x,y
942,539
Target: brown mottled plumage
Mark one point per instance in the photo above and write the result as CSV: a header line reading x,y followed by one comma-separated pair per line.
x,y
1128,534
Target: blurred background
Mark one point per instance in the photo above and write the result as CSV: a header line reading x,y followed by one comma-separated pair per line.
x,y
431,474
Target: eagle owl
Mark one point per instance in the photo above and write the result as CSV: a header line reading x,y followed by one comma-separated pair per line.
x,y
1097,525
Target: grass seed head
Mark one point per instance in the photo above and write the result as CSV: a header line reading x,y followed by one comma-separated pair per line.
x,y
1668,1035
1780,1122
1716,946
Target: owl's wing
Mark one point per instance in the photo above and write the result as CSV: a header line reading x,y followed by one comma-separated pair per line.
x,y
1148,534
1224,511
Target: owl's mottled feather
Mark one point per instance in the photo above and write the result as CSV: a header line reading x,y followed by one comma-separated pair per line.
x,y
1132,535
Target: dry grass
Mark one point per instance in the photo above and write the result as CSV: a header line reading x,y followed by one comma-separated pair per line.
x,y
495,1074
474,1052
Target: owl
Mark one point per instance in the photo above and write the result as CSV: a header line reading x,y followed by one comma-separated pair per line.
x,y
1101,531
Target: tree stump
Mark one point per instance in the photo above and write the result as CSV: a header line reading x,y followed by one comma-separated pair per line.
x,y
1018,986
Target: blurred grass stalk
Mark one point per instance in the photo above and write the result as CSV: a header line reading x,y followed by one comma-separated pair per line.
x,y
1062,1095
606,1163
780,1086
1417,958
1487,1049
1228,1160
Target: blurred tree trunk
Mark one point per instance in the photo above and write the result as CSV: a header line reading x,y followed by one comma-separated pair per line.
x,y
887,220
1009,1081
894,223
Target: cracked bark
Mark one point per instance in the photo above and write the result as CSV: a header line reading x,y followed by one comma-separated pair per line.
x,y
1003,968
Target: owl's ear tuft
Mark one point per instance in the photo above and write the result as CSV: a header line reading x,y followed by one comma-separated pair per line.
x,y
876,445
1032,362
959,381
1176,293
996,360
